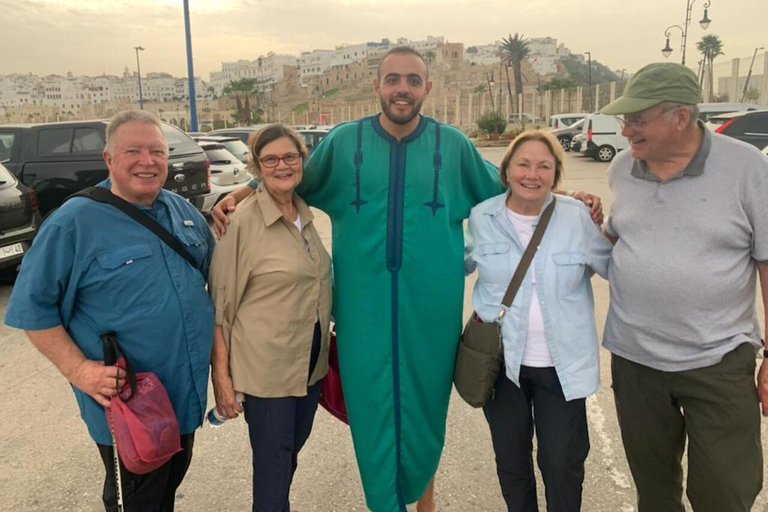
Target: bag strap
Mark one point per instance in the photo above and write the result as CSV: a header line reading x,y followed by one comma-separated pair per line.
x,y
111,351
103,195
525,261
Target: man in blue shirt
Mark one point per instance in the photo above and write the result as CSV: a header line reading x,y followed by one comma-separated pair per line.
x,y
92,269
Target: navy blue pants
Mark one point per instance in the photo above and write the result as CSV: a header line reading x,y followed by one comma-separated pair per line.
x,y
561,432
278,429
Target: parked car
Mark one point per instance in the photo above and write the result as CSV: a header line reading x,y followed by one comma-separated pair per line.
x,y
708,110
313,136
227,174
750,127
241,132
566,133
19,219
602,137
232,144
558,121
576,142
59,159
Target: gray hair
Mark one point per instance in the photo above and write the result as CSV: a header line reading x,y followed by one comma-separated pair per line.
x,y
130,116
693,110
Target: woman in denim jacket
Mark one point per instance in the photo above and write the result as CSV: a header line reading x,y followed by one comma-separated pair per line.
x,y
549,334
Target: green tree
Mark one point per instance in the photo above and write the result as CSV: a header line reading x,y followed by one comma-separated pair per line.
x,y
711,47
430,57
752,94
557,84
492,121
242,90
514,50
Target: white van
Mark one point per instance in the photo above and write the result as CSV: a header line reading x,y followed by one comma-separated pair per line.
x,y
602,137
558,121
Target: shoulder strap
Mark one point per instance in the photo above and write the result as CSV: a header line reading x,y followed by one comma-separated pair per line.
x,y
103,195
525,261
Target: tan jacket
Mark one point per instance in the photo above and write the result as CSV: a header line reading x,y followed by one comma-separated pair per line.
x,y
267,290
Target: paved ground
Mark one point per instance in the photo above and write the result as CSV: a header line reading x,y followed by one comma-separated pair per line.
x,y
47,461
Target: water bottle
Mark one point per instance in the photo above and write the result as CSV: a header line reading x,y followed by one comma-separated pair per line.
x,y
215,420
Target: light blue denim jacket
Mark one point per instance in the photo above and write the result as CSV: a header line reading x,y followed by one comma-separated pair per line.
x,y
571,246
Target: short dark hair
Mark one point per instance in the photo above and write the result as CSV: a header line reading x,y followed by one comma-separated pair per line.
x,y
270,133
542,136
401,50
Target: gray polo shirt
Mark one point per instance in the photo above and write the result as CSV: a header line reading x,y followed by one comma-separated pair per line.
x,y
683,277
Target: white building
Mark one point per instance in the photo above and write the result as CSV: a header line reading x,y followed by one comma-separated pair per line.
x,y
486,54
315,63
265,70
544,55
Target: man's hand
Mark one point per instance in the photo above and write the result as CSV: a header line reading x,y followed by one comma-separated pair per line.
x,y
220,215
224,393
594,202
99,381
762,387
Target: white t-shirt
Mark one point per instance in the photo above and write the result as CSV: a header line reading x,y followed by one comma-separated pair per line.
x,y
536,352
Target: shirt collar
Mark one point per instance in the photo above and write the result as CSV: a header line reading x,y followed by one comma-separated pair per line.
x,y
694,168
272,213
499,207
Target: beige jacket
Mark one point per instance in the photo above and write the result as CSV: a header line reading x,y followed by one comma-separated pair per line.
x,y
267,290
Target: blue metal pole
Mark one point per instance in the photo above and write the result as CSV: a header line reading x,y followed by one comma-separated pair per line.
x,y
190,71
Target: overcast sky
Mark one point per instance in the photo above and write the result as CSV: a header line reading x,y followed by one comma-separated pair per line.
x,y
94,36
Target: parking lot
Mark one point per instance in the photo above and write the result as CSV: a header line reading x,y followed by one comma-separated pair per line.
x,y
47,461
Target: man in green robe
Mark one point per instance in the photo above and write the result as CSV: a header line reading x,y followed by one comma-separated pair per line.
x,y
397,187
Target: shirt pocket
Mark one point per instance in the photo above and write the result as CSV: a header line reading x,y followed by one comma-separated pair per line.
x,y
493,265
570,270
129,279
193,242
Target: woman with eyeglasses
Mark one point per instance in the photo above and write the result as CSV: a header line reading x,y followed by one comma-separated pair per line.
x,y
270,281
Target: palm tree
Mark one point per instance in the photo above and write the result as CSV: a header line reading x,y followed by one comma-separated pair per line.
x,y
514,50
241,90
429,56
711,46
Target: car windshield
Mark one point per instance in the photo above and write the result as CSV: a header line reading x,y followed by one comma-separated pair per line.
x,y
220,156
179,143
236,147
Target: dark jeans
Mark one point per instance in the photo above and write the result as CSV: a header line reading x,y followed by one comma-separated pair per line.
x,y
278,429
561,434
716,408
153,492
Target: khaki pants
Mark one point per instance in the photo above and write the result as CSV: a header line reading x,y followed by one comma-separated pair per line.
x,y
716,408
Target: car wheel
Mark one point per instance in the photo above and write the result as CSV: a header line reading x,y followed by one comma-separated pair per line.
x,y
565,142
605,153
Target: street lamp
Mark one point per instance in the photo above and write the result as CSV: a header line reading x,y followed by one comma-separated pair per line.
x,y
138,72
588,54
749,75
703,23
491,82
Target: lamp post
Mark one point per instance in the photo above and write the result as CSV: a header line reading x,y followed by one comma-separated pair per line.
x,y
190,71
749,74
703,23
589,55
490,88
138,73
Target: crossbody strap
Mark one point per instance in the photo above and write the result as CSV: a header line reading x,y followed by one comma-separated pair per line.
x,y
525,261
103,195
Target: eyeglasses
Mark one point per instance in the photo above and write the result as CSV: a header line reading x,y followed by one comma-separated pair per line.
x,y
640,124
271,161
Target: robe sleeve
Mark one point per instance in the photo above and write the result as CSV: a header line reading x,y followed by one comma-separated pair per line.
x,y
317,174
480,178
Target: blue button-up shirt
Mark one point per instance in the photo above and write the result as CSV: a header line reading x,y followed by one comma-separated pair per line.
x,y
572,244
92,269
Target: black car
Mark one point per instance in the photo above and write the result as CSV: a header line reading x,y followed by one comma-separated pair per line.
x,y
19,219
750,127
59,159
